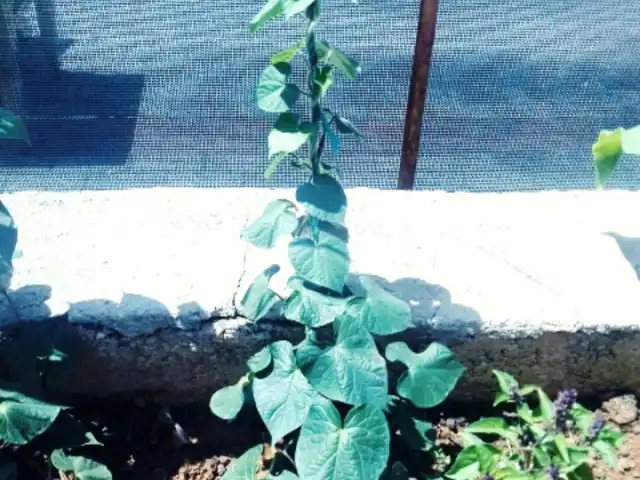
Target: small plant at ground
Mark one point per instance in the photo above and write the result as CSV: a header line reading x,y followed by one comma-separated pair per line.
x,y
609,147
327,398
25,419
556,440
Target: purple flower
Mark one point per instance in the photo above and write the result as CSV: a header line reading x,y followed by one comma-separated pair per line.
x,y
595,427
553,472
563,404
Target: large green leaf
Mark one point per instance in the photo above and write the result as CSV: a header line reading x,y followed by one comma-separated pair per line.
x,y
350,371
283,397
245,467
83,468
279,218
293,7
311,307
472,462
330,450
288,135
274,94
12,127
430,375
334,56
227,402
270,10
259,299
323,261
379,311
324,199
22,421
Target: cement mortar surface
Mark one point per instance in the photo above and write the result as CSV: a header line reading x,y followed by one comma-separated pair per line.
x,y
543,285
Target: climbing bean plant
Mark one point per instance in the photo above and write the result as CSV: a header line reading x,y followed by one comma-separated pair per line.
x,y
329,397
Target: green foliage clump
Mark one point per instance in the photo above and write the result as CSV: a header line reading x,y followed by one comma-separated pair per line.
x,y
553,441
609,148
329,398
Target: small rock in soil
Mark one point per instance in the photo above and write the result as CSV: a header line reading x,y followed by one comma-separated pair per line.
x,y
622,410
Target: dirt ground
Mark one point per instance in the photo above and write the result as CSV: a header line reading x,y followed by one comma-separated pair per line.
x,y
143,442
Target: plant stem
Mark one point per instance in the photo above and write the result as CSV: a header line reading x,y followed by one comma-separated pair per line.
x,y
313,13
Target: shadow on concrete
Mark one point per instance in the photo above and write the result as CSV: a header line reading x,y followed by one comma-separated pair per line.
x,y
73,118
630,248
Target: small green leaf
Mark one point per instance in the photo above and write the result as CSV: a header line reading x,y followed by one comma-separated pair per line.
x,y
582,472
511,473
630,140
467,465
259,299
283,398
245,467
417,434
606,452
468,439
324,199
561,445
610,436
334,140
324,262
381,312
606,151
21,422
274,94
346,127
12,127
227,402
541,456
547,409
269,11
324,79
493,426
311,307
259,361
528,390
351,371
286,55
330,450
500,397
83,468
505,381
287,136
430,375
278,219
335,57
293,7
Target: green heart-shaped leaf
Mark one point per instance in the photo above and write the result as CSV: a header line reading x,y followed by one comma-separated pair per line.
x,y
259,361
83,468
380,311
334,56
278,219
430,375
330,450
274,94
227,402
259,299
283,397
271,10
245,467
324,199
287,135
21,422
351,371
324,262
606,152
311,307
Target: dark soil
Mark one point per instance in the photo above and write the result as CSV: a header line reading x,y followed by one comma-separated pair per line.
x,y
144,441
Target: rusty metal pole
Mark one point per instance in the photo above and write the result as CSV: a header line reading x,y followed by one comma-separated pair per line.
x,y
417,93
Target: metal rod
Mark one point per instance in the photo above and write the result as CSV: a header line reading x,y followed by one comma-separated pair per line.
x,y
417,93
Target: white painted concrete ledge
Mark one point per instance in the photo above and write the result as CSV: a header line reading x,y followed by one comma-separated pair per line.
x,y
542,284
